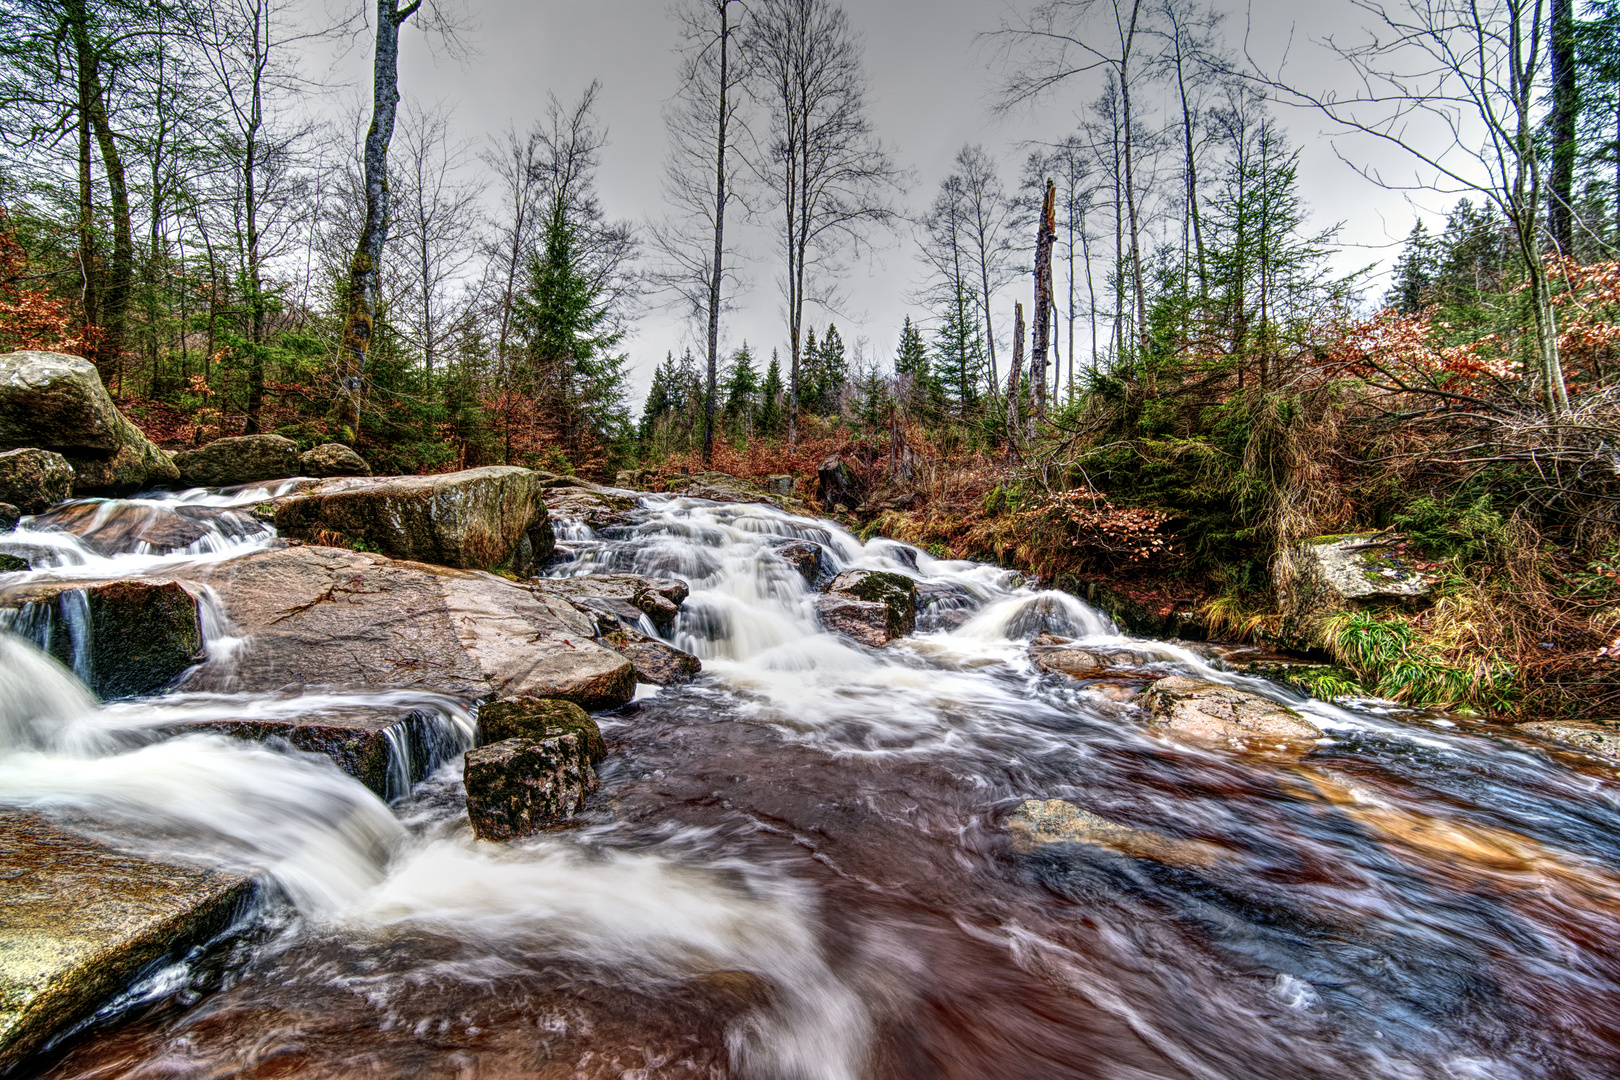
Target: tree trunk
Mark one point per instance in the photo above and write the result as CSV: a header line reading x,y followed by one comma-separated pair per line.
x,y
1013,370
717,270
1043,300
365,270
1139,286
1562,121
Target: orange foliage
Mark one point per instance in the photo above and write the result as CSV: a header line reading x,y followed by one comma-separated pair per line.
x,y
30,318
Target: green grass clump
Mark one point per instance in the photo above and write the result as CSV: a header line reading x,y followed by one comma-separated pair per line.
x,y
1390,657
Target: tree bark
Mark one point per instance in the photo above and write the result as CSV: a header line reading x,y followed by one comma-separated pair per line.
x,y
1044,240
365,270
1562,122
1013,370
717,270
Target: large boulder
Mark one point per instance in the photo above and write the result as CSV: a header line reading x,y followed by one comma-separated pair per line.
x,y
240,459
475,519
896,592
122,638
1355,571
520,786
34,479
332,459
319,616
81,921
1212,713
804,556
866,621
539,718
56,402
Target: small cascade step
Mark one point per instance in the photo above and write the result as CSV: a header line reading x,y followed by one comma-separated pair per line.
x,y
387,749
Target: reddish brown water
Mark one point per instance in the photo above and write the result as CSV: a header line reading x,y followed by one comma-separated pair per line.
x,y
800,867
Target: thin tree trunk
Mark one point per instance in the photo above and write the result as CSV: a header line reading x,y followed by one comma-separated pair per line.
x,y
717,270
1013,370
1139,286
1043,300
1565,115
365,271
250,199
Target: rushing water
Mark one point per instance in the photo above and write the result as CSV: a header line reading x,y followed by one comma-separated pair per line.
x,y
799,867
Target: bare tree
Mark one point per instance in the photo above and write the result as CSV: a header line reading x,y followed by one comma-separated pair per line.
x,y
699,178
1454,84
988,212
515,161
438,226
829,176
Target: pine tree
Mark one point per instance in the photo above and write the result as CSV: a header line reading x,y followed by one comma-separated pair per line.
x,y
770,417
1413,280
917,383
741,387
809,399
829,372
959,354
663,397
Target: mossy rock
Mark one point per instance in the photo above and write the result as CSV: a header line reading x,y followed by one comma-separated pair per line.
x,y
539,718
895,591
10,564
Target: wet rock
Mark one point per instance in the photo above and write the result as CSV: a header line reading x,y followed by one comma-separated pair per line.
x,y
10,564
805,557
34,479
519,786
1214,713
659,599
161,528
1340,573
837,485
1037,823
240,459
660,664
319,616
1601,740
867,621
591,508
332,459
896,592
473,519
122,638
80,922
9,516
387,750
782,484
56,402
539,718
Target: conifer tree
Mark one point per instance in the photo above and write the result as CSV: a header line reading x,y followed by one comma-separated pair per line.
x,y
959,356
917,386
1413,284
770,416
741,388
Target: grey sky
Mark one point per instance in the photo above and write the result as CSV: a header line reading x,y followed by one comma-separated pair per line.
x,y
931,86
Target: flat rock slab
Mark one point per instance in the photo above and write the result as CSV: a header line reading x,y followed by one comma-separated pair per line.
x,y
1039,822
329,617
80,921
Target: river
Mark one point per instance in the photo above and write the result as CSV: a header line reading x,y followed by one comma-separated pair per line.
x,y
799,865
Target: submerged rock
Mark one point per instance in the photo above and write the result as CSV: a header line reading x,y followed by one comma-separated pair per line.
x,y
1036,823
475,519
896,592
520,786
239,459
81,921
1214,713
57,402
122,638
34,479
332,459
539,718
329,617
164,528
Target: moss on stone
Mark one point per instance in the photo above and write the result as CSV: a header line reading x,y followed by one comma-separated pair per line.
x,y
539,718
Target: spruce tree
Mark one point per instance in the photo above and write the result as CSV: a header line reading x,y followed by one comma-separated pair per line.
x,y
770,417
1413,281
741,387
959,354
831,371
917,383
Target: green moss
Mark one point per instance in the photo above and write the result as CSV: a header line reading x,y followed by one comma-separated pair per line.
x,y
10,564
539,718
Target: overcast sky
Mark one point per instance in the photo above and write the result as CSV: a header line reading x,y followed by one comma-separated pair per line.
x,y
932,82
